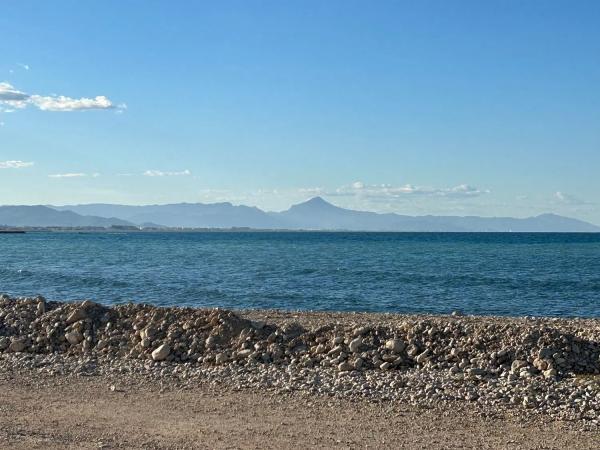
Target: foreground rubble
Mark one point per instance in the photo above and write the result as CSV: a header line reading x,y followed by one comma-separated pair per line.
x,y
528,366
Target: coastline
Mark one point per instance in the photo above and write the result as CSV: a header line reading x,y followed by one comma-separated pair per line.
x,y
413,369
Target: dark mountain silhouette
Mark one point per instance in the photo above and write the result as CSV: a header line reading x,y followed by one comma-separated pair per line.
x,y
42,216
318,214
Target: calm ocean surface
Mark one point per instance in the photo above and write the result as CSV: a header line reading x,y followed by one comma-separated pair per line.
x,y
502,274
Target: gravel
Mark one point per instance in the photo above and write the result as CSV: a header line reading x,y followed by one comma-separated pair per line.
x,y
527,367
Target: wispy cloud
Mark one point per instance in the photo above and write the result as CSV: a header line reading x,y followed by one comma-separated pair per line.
x,y
387,191
24,66
568,199
15,164
11,99
312,191
160,173
74,175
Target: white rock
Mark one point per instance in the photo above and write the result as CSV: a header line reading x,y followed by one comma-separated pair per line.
x,y
245,353
161,353
355,345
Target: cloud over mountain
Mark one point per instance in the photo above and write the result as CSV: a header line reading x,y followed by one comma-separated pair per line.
x,y
388,191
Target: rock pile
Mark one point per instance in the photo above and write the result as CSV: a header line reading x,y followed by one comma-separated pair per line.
x,y
548,365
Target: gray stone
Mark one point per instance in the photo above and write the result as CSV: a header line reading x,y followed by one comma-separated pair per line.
x,y
77,315
345,366
386,366
518,364
395,345
74,337
422,357
17,345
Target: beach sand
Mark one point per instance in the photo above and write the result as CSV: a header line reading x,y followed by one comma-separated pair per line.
x,y
65,412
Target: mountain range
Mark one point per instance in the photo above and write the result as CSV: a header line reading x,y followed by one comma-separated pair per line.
x,y
314,214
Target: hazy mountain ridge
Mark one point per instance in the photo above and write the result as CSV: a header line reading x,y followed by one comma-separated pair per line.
x,y
189,215
318,214
43,216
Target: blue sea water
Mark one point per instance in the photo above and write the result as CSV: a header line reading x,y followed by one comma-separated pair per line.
x,y
476,273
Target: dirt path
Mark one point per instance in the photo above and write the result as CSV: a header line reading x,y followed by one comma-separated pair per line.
x,y
86,413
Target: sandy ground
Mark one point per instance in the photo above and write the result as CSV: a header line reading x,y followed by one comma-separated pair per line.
x,y
69,412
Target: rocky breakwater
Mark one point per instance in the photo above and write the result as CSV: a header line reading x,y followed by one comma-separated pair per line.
x,y
533,366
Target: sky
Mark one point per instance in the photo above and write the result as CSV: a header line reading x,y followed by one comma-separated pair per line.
x,y
432,107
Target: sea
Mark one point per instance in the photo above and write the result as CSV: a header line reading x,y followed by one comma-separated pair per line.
x,y
508,274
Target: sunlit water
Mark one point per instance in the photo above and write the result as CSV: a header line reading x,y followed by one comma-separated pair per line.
x,y
503,274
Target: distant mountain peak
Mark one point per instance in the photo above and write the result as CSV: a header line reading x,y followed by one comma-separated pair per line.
x,y
317,199
314,203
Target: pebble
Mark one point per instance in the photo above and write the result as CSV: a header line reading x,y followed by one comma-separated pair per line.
x,y
539,366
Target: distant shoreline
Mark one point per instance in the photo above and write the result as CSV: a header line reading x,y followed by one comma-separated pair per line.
x,y
116,230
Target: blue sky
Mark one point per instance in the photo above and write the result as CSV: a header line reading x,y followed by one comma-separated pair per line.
x,y
466,107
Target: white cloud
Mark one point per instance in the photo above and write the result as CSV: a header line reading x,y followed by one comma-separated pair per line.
x,y
68,175
160,173
24,66
15,164
12,98
62,103
388,191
